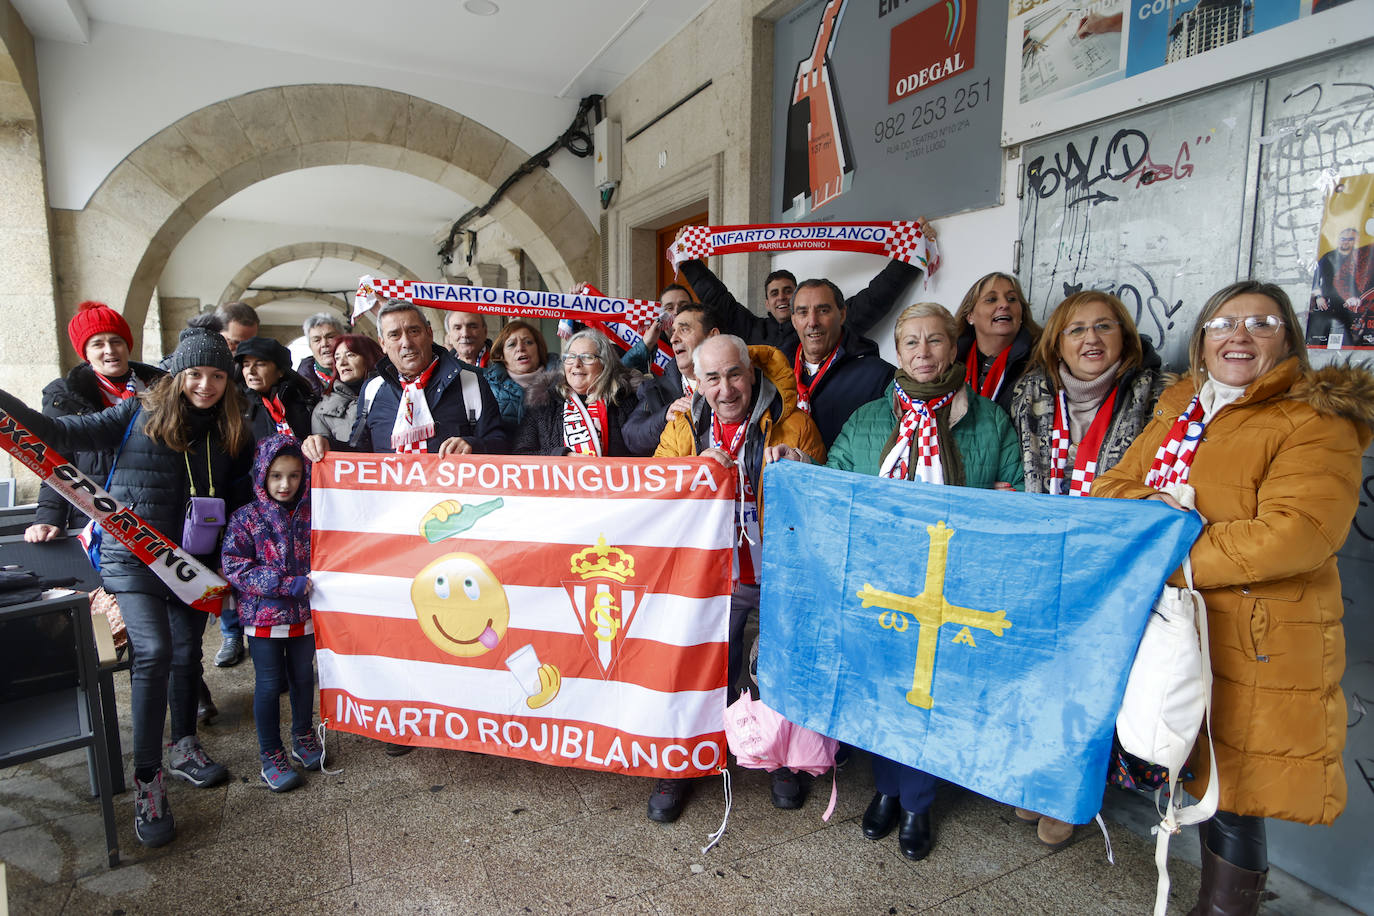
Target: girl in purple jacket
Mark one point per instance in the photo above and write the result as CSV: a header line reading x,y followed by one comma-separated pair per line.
x,y
267,561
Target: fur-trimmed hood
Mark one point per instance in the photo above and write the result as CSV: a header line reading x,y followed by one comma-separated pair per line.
x,y
1342,390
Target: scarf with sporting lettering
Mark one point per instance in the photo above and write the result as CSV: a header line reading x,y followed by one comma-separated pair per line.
x,y
1175,455
414,424
997,371
584,426
729,438
183,574
1085,459
922,411
804,388
277,411
113,393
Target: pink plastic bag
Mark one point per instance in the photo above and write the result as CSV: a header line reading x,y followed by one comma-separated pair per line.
x,y
761,739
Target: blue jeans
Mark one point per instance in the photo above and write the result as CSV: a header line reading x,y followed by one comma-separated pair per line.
x,y
285,659
915,788
165,635
229,621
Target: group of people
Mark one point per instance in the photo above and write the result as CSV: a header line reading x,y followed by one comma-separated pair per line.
x,y
981,397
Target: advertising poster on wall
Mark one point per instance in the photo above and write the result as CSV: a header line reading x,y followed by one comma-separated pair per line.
x,y
1071,48
887,109
1341,313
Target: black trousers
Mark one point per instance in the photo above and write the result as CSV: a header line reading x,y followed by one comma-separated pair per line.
x,y
1238,839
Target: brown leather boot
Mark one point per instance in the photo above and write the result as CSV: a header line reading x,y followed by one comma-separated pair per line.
x,y
1227,890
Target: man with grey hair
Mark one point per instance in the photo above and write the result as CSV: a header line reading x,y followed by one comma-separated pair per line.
x,y
321,330
744,415
421,398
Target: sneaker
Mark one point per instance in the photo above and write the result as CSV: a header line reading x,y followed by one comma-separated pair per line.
x,y
206,710
153,822
306,750
192,764
670,795
787,789
230,652
278,773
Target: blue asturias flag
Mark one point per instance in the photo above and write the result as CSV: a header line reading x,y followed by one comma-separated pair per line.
x,y
984,637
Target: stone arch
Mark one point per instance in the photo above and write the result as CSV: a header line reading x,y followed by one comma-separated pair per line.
x,y
335,303
117,247
301,251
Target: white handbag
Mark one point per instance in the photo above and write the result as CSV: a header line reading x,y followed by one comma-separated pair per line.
x,y
1168,696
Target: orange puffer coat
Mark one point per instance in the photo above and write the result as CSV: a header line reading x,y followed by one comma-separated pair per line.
x,y
1277,475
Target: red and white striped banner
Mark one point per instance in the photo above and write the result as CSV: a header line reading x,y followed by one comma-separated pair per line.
x,y
520,303
186,576
904,240
563,610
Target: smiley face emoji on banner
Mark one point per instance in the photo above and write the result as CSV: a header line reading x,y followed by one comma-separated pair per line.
x,y
462,608
460,605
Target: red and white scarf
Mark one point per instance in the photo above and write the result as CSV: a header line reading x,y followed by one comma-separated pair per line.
x,y
277,411
996,372
689,385
1085,461
483,355
746,559
1176,452
804,389
584,426
414,424
917,423
113,393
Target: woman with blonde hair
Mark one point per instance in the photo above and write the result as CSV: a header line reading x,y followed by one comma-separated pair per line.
x,y
931,428
997,336
1272,450
184,437
581,408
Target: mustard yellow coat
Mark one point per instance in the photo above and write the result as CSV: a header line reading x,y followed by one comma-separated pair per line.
x,y
1276,476
773,420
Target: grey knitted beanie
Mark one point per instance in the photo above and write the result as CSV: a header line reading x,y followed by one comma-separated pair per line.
x,y
200,347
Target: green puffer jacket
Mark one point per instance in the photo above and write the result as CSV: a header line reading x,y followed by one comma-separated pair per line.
x,y
986,439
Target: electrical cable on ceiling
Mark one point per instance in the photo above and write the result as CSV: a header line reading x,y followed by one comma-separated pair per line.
x,y
577,139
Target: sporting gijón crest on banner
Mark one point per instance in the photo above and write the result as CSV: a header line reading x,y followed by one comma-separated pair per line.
x,y
604,600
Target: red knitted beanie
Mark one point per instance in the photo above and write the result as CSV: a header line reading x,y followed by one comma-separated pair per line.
x,y
94,318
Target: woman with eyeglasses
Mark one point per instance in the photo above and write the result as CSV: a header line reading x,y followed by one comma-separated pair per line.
x,y
580,408
1088,393
1272,448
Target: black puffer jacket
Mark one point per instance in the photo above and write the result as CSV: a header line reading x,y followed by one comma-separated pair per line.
x,y
296,397
150,478
77,394
541,432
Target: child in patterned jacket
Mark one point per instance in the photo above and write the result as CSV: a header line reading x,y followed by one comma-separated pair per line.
x,y
266,558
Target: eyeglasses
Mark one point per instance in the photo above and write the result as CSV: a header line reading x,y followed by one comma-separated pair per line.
x,y
585,359
1103,328
1255,326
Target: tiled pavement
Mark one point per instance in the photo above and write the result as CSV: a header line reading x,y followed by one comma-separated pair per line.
x,y
447,832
